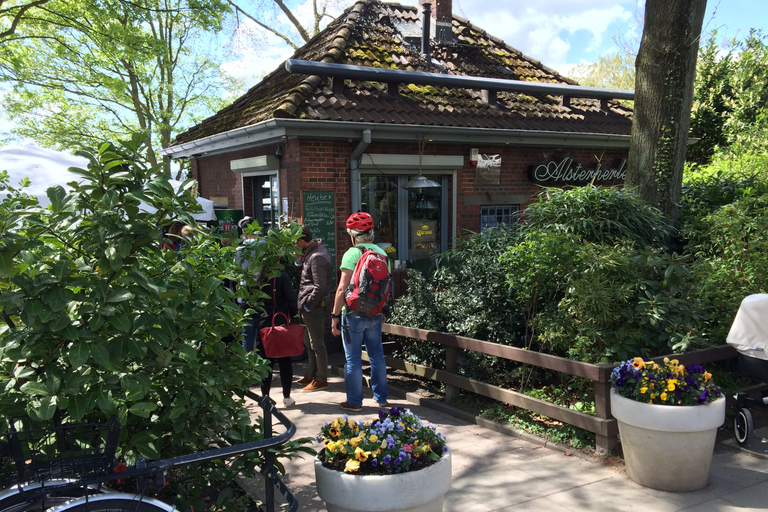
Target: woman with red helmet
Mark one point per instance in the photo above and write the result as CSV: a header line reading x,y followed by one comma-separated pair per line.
x,y
357,329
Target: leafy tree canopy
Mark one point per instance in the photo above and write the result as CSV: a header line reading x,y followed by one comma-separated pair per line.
x,y
82,72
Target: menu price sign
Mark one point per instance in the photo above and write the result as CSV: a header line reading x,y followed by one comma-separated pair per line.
x,y
319,214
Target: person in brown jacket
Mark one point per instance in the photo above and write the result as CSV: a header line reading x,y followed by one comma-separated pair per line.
x,y
314,294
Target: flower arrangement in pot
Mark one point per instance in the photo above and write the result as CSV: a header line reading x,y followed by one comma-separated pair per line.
x,y
672,384
663,409
395,455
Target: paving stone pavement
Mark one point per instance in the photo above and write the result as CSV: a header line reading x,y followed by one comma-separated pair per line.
x,y
493,471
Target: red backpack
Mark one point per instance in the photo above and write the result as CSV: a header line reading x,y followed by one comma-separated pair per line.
x,y
369,290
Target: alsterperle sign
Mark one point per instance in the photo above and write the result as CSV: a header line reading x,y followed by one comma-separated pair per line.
x,y
565,170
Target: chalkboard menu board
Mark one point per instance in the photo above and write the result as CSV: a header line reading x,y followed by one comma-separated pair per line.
x,y
319,213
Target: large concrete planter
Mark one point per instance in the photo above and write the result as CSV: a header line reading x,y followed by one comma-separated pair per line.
x,y
668,447
414,491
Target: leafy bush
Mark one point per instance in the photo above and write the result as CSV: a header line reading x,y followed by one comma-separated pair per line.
x,y
467,295
601,215
579,278
100,321
731,248
590,283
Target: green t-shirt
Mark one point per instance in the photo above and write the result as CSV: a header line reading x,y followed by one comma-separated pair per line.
x,y
350,258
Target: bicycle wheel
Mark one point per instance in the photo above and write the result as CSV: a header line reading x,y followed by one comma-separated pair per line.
x,y
12,498
743,426
115,502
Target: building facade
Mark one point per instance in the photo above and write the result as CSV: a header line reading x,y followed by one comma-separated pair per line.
x,y
419,118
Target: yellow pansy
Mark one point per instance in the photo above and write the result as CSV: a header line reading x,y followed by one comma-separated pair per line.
x,y
373,438
361,455
352,465
643,390
663,397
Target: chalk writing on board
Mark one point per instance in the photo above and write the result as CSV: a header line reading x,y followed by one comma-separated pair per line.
x,y
319,209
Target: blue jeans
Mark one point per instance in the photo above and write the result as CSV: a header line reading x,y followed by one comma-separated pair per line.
x,y
357,330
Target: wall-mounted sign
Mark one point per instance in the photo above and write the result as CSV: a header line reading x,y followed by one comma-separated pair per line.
x,y
318,209
488,161
566,170
488,170
423,230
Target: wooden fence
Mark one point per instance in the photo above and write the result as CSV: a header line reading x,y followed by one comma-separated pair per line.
x,y
602,424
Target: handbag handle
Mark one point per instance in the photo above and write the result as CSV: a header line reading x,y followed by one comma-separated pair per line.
x,y
287,319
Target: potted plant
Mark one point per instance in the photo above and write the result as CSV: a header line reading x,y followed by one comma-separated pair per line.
x,y
393,462
666,410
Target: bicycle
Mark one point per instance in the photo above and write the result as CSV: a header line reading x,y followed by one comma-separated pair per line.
x,y
65,468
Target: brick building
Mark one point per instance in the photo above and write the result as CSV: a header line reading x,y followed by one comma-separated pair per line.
x,y
389,93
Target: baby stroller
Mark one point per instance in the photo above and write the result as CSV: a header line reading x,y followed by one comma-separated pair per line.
x,y
749,335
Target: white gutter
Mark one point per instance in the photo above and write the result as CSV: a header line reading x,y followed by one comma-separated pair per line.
x,y
273,130
354,170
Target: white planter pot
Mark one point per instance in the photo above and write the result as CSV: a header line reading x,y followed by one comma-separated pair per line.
x,y
668,447
414,491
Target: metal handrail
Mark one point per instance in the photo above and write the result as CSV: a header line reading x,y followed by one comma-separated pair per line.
x,y
143,468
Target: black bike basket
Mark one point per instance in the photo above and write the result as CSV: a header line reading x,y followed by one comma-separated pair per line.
x,y
68,451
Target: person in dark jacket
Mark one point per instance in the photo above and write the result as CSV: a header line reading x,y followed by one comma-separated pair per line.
x,y
282,299
284,302
314,297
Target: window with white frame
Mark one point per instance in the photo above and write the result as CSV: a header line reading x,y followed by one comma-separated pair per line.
x,y
491,217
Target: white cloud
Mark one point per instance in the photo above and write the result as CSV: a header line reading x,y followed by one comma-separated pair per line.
x,y
545,29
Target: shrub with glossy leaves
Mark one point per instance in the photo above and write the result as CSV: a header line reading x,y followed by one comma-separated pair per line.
x,y
98,320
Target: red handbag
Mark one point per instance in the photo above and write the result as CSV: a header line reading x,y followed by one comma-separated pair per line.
x,y
282,340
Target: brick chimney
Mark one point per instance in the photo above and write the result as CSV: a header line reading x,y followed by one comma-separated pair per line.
x,y
442,15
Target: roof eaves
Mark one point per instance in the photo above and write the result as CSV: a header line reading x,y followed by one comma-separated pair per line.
x,y
269,131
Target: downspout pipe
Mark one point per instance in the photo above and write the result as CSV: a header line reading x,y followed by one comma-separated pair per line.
x,y
354,170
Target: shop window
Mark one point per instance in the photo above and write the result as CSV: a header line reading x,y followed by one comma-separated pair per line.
x,y
491,217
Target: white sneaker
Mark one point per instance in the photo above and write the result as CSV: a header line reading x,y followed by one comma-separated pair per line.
x,y
287,402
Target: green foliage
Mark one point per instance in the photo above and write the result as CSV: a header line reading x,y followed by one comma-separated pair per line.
x,y
590,284
100,321
611,71
468,295
130,66
584,277
731,245
596,214
730,94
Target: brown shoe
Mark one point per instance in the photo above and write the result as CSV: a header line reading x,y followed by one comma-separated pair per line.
x,y
349,407
304,380
314,386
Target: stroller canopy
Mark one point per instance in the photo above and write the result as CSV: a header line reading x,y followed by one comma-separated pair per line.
x,y
749,332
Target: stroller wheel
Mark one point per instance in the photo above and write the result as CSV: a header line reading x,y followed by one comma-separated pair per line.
x,y
743,426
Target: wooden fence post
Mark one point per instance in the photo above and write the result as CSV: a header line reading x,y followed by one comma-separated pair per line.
x,y
604,443
452,366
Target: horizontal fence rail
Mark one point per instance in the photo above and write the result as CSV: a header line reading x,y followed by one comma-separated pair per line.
x,y
602,424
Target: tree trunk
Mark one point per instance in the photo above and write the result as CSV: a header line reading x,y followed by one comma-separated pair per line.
x,y
666,68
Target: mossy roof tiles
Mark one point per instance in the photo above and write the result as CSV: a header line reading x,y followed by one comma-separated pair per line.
x,y
371,33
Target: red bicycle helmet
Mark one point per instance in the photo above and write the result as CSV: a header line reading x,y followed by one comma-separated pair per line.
x,y
360,221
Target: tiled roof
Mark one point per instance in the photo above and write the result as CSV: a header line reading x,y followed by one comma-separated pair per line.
x,y
376,34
